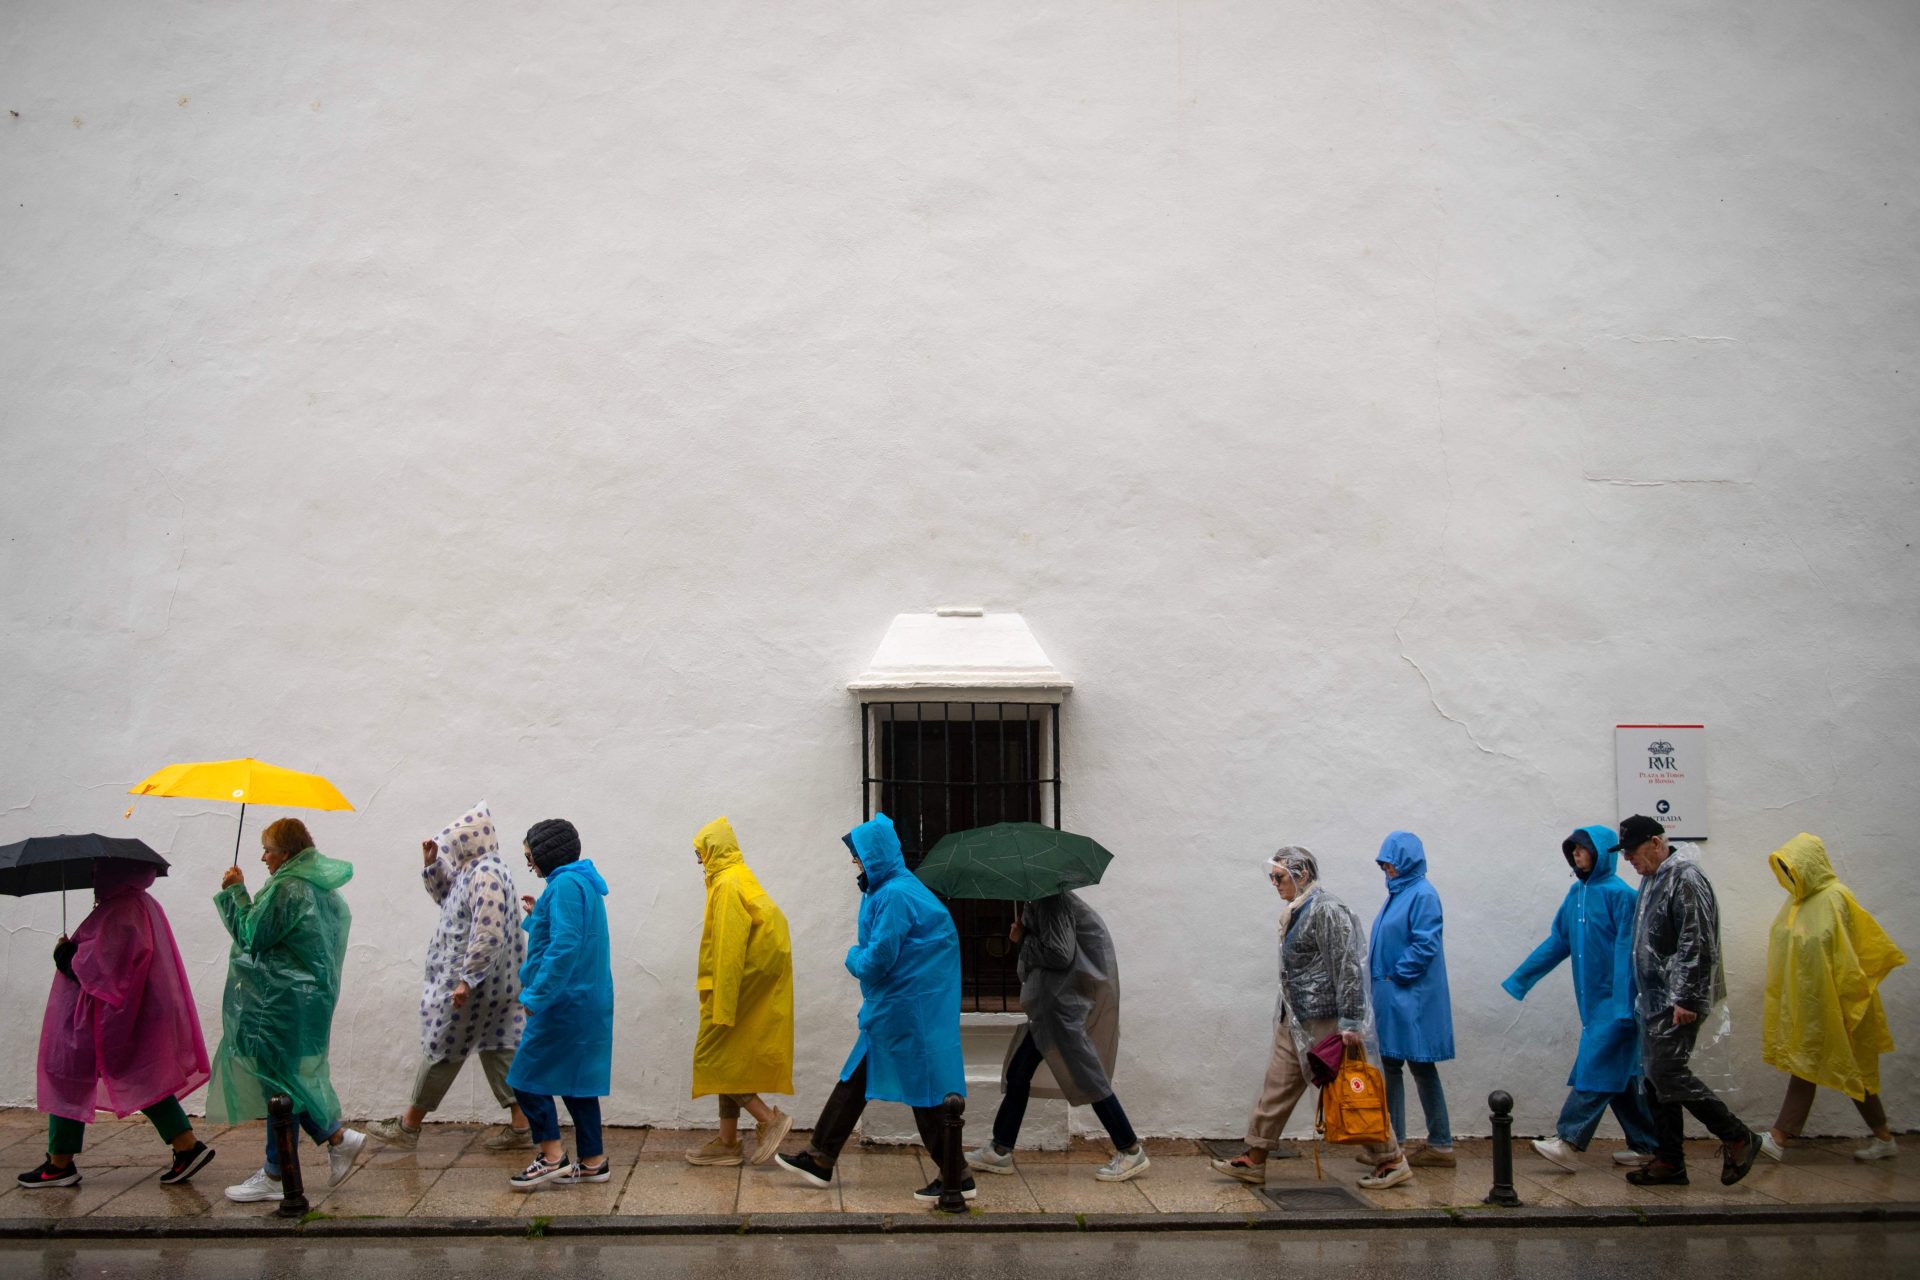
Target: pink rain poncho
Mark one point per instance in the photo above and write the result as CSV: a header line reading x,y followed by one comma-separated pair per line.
x,y
125,1035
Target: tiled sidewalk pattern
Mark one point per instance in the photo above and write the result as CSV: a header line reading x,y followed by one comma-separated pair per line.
x,y
452,1176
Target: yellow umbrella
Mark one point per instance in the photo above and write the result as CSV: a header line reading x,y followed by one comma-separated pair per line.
x,y
248,781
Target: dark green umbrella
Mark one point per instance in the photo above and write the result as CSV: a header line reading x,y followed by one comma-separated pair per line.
x,y
1012,862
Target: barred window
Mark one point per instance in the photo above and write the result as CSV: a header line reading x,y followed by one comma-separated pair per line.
x,y
939,767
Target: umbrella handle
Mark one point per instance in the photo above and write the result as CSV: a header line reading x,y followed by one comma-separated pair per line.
x,y
236,833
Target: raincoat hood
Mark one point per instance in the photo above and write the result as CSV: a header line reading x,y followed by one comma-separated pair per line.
x,y
877,846
1407,856
115,876
1606,858
471,835
316,868
718,848
1801,866
584,868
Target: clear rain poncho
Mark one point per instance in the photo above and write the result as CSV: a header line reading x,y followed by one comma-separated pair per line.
x,y
1070,992
1676,961
1825,960
1324,967
478,941
283,981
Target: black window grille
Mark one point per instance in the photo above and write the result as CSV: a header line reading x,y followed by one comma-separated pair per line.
x,y
939,767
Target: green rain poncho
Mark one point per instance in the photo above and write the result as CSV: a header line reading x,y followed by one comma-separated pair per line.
x,y
283,979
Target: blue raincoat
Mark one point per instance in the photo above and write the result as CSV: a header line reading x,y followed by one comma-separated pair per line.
x,y
908,962
1594,926
1408,960
566,986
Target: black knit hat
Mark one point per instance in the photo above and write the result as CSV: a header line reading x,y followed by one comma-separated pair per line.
x,y
554,843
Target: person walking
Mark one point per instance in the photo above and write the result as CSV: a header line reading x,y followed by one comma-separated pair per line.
x,y
1594,928
1824,1024
744,1047
470,1002
1408,963
283,983
906,958
1070,992
1323,991
1678,980
566,987
120,1033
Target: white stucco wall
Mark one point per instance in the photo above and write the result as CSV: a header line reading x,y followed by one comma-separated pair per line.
x,y
1368,405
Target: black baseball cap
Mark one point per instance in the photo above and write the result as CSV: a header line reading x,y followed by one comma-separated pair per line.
x,y
1636,831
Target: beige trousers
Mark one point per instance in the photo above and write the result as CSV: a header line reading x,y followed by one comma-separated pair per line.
x,y
1286,1084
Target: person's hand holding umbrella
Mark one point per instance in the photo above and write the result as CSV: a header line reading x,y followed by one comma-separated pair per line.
x,y
233,876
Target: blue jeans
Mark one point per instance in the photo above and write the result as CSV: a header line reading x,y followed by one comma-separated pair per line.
x,y
1433,1100
1580,1117
545,1121
315,1130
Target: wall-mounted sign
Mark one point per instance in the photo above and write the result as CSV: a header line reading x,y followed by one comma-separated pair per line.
x,y
1662,772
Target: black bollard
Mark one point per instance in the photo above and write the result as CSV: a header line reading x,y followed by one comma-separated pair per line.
x,y
953,1163
285,1132
1500,1103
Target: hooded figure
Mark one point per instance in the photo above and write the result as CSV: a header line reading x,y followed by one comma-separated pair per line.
x,y
1594,927
121,1033
1824,1024
907,960
1408,960
283,981
477,941
1070,992
745,1043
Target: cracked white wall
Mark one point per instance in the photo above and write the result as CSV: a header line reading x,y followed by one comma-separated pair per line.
x,y
1368,406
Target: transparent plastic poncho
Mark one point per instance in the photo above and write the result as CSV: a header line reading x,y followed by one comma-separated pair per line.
x,y
1677,962
1324,975
1070,992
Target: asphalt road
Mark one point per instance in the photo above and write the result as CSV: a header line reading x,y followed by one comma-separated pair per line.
x,y
1665,1253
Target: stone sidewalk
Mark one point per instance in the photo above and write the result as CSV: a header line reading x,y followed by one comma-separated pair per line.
x,y
450,1178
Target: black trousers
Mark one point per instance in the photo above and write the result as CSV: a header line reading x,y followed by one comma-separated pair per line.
x,y
844,1105
1668,1072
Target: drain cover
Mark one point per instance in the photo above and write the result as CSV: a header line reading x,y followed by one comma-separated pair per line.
x,y
1297,1198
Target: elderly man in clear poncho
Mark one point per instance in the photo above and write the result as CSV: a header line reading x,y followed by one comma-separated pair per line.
x,y
1070,992
1324,989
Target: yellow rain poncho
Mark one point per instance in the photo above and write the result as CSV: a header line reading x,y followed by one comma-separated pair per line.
x,y
746,978
1825,960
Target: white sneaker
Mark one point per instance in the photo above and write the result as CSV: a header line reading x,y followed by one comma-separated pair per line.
x,y
255,1189
1878,1149
340,1155
988,1160
1124,1166
1628,1158
1556,1152
1388,1175
1769,1148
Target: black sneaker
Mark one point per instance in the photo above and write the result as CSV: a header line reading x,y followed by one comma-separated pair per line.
x,y
187,1163
805,1167
50,1175
930,1194
1658,1173
1732,1167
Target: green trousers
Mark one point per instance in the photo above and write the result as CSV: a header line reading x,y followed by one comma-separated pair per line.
x,y
66,1137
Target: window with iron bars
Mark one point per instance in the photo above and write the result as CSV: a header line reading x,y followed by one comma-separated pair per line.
x,y
939,767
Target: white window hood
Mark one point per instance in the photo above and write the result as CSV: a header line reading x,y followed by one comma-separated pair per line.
x,y
963,651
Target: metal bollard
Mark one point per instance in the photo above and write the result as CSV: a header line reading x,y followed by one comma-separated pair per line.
x,y
953,1164
1500,1103
285,1133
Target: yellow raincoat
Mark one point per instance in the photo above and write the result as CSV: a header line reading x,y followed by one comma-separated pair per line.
x,y
746,978
1825,960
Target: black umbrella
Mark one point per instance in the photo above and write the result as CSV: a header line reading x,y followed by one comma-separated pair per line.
x,y
46,864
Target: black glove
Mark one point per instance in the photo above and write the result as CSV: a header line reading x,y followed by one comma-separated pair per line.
x,y
63,953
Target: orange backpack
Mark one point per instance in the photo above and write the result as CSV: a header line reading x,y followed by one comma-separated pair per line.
x,y
1353,1106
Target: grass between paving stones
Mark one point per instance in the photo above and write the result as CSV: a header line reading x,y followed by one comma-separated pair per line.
x,y
537,1229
